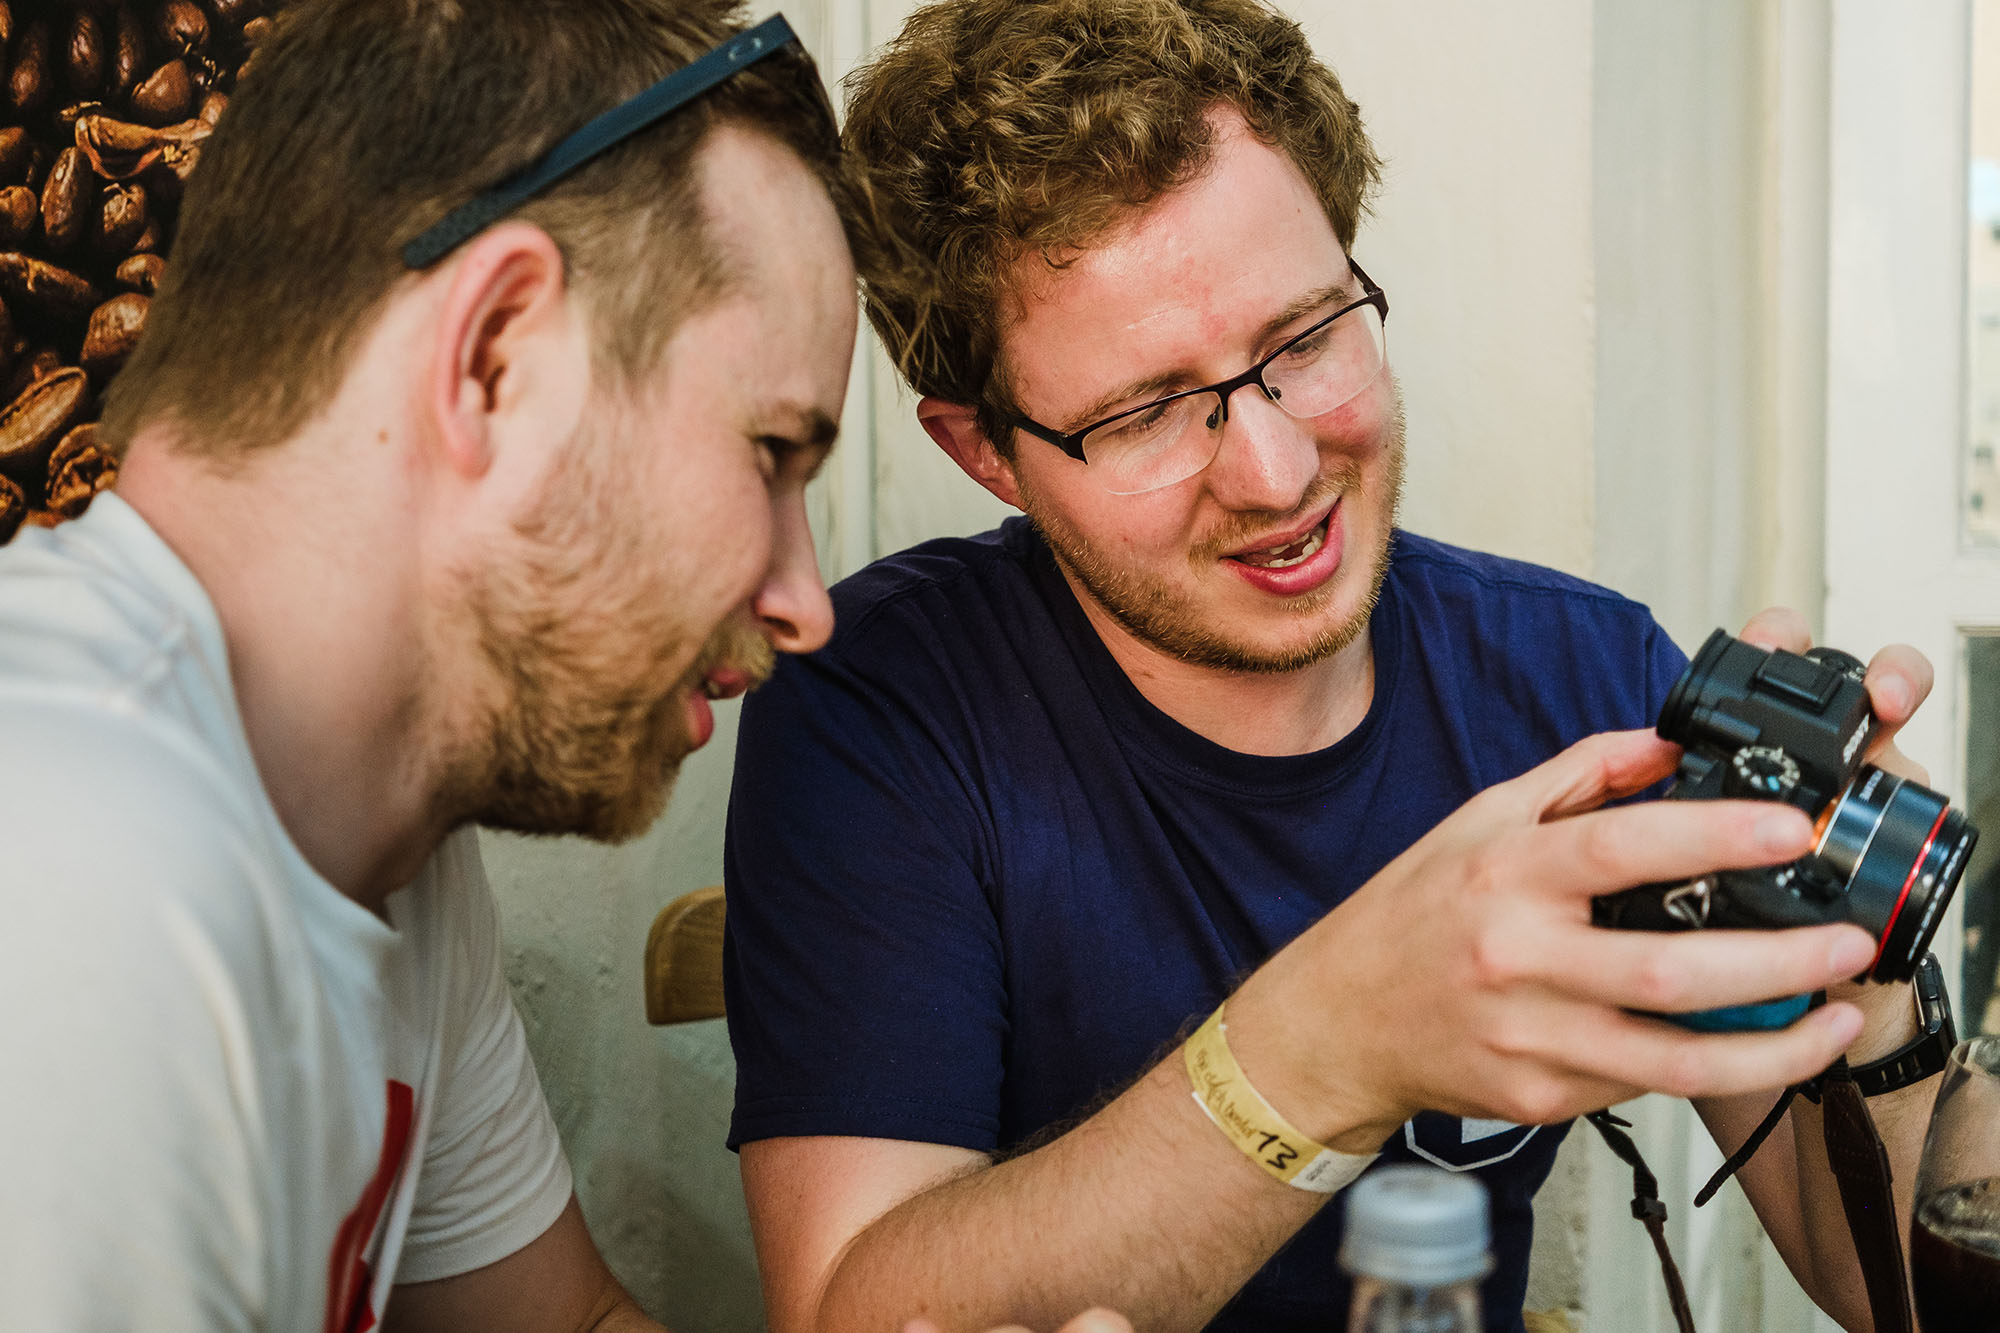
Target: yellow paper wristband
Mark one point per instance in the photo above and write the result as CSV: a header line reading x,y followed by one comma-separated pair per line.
x,y
1224,1094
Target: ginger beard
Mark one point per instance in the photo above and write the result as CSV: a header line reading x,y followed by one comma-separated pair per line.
x,y
1153,611
580,639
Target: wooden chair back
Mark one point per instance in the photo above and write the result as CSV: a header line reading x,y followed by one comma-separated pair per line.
x,y
684,959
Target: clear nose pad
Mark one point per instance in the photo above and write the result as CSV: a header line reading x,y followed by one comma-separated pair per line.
x,y
1221,412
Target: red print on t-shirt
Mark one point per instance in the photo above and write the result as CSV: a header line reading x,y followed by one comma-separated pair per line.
x,y
348,1309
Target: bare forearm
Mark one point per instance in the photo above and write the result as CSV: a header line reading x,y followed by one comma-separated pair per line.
x,y
1121,1211
1835,1274
1792,1186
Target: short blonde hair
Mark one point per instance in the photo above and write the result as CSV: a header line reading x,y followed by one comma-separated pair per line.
x,y
994,129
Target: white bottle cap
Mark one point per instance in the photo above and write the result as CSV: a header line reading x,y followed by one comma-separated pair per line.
x,y
1417,1225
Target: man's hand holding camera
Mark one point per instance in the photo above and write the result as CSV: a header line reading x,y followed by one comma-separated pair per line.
x,y
1467,976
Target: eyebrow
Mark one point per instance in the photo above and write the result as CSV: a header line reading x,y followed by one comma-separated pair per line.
x,y
1153,385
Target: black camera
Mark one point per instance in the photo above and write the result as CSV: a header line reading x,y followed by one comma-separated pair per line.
x,y
1775,726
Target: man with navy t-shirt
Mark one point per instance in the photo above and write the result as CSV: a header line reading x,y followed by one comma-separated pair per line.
x,y
1056,795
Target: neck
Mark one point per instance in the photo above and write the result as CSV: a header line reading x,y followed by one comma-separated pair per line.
x,y
1251,712
314,582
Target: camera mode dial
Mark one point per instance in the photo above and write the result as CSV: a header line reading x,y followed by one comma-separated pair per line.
x,y
1761,773
1847,664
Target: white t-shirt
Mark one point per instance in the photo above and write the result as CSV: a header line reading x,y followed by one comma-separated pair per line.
x,y
230,1097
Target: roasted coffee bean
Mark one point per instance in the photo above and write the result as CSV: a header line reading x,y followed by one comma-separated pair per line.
x,y
79,469
114,331
31,424
89,52
20,212
165,96
28,81
6,23
183,27
120,150
68,200
122,219
40,159
141,273
30,368
67,118
15,150
256,30
233,14
43,363
212,107
13,508
128,52
43,286
152,240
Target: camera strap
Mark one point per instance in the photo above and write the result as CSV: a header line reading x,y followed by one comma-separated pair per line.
x,y
1860,1166
1646,1206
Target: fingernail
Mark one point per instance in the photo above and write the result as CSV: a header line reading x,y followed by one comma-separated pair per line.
x,y
1782,832
1895,699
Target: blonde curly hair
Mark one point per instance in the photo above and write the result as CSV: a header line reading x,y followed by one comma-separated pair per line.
x,y
995,129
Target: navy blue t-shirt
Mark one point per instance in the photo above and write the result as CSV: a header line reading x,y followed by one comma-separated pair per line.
x,y
978,884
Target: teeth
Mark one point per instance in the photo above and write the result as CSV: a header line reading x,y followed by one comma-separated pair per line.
x,y
1314,540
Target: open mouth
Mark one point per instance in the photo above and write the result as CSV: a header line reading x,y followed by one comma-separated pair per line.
x,y
1292,551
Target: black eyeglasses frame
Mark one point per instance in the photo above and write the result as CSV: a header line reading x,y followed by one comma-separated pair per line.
x,y
1071,442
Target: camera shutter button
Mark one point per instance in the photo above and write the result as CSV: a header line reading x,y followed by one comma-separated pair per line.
x,y
1761,773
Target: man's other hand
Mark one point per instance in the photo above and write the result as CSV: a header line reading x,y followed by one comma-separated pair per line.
x,y
1899,679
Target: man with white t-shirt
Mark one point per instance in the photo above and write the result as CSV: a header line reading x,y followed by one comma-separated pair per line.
x,y
442,504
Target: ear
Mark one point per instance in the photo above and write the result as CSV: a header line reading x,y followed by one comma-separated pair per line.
x,y
955,427
508,360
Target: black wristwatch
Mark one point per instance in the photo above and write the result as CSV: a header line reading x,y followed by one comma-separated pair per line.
x,y
1923,1055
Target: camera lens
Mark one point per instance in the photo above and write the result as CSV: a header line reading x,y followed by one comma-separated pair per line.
x,y
1901,849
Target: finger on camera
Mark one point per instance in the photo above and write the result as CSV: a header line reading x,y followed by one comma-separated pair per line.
x,y
1778,627
1683,972
1662,842
1899,679
1594,770
1664,1057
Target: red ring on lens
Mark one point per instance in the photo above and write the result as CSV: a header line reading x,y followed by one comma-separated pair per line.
x,y
1889,926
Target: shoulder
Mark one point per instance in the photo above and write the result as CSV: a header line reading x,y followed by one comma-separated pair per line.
x,y
130,851
1453,585
1511,636
1443,570
946,586
919,637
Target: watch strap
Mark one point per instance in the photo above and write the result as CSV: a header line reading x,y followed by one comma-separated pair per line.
x,y
1917,1059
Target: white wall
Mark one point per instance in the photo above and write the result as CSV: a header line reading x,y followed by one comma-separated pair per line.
x,y
1601,234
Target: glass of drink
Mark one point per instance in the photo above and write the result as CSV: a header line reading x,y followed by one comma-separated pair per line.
x,y
1955,1244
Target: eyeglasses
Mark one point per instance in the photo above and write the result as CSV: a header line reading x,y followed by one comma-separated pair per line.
x,y
1170,439
600,133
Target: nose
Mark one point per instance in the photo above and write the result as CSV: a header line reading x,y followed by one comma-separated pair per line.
x,y
792,605
1267,458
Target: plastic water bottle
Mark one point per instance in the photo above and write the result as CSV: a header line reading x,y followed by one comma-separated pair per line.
x,y
1417,1243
